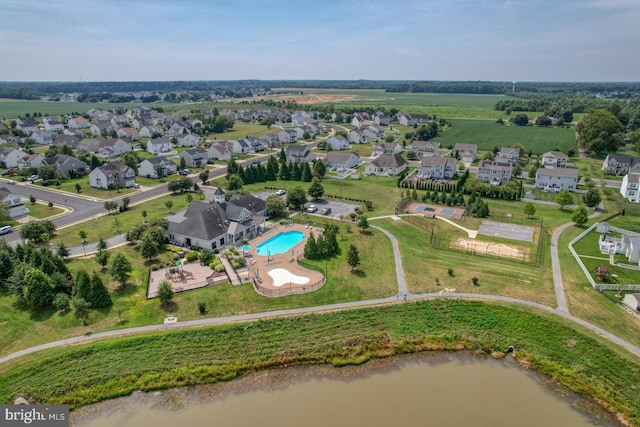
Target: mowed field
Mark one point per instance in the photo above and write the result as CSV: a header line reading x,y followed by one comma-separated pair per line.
x,y
487,134
12,108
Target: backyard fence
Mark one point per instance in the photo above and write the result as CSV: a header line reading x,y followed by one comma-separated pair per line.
x,y
292,289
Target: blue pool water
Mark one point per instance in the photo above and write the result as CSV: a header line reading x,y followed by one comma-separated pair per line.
x,y
280,243
447,211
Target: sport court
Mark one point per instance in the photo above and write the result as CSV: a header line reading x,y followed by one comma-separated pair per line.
x,y
507,231
431,210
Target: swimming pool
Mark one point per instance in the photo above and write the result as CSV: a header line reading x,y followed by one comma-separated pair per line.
x,y
280,243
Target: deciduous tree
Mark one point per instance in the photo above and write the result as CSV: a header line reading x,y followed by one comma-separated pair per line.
x,y
580,216
353,257
120,268
599,132
564,198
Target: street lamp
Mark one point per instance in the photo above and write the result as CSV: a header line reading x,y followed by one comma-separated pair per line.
x,y
84,244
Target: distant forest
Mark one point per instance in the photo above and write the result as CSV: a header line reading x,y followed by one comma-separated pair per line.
x,y
238,88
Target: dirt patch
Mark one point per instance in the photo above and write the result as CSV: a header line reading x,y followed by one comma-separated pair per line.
x,y
304,99
490,248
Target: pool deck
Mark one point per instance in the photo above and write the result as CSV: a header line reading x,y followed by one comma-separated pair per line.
x,y
259,265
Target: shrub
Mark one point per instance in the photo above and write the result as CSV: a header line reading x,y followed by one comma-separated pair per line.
x,y
450,272
191,256
202,307
475,281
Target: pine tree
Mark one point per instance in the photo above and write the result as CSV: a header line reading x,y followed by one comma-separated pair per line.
x,y
81,285
282,156
98,295
311,247
353,257
306,172
283,175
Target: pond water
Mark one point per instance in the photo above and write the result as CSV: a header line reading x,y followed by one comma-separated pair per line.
x,y
435,389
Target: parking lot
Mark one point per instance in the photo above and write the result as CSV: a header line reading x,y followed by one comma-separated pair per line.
x,y
338,208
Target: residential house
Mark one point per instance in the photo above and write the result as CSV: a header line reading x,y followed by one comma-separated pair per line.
x,y
494,172
631,248
374,133
113,147
241,146
130,134
220,150
10,157
149,131
437,167
338,142
53,125
632,301
187,140
77,122
270,140
508,154
299,154
557,179
30,161
160,146
119,120
150,167
420,118
195,157
70,140
335,160
216,225
67,166
360,119
297,119
618,164
101,128
381,119
43,137
178,128
27,125
404,119
630,187
386,165
554,159
357,136
9,138
89,145
425,148
288,136
466,152
386,149
15,202
112,175
73,132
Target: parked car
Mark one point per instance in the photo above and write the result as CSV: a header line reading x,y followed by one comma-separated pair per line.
x,y
281,192
312,208
11,182
6,229
33,178
135,185
325,211
185,172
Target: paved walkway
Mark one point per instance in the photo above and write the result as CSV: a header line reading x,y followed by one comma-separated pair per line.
x,y
231,272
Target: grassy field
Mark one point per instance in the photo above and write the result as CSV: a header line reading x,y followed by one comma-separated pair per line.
x,y
43,211
82,374
69,186
23,328
242,130
487,134
424,264
12,108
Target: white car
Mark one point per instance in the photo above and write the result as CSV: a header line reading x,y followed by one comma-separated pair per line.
x,y
11,182
312,208
135,185
281,192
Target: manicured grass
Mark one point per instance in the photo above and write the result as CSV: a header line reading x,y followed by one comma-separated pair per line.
x,y
69,186
587,303
43,211
149,182
487,134
375,279
12,108
87,373
242,130
500,276
105,226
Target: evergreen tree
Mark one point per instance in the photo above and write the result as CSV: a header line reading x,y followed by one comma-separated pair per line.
x,y
319,168
81,284
120,267
311,247
98,294
283,175
306,172
282,157
316,190
260,173
102,257
149,247
6,266
353,257
165,292
271,171
37,289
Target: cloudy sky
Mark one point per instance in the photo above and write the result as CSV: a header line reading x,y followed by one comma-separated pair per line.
x,y
103,40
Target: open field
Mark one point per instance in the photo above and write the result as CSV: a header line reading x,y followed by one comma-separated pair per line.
x,y
69,186
487,134
43,211
564,352
497,275
12,108
242,130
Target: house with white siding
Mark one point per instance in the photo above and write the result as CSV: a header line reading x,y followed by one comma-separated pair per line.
x,y
508,154
150,167
336,160
425,148
437,167
16,204
494,173
386,165
112,175
187,140
386,149
357,136
466,152
338,142
11,157
554,159
630,187
557,179
195,157
77,122
149,130
220,150
113,147
619,164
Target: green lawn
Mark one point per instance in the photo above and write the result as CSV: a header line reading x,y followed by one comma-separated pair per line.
x,y
43,211
375,279
69,186
487,135
12,108
242,130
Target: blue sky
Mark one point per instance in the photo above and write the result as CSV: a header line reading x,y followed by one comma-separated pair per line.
x,y
98,40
